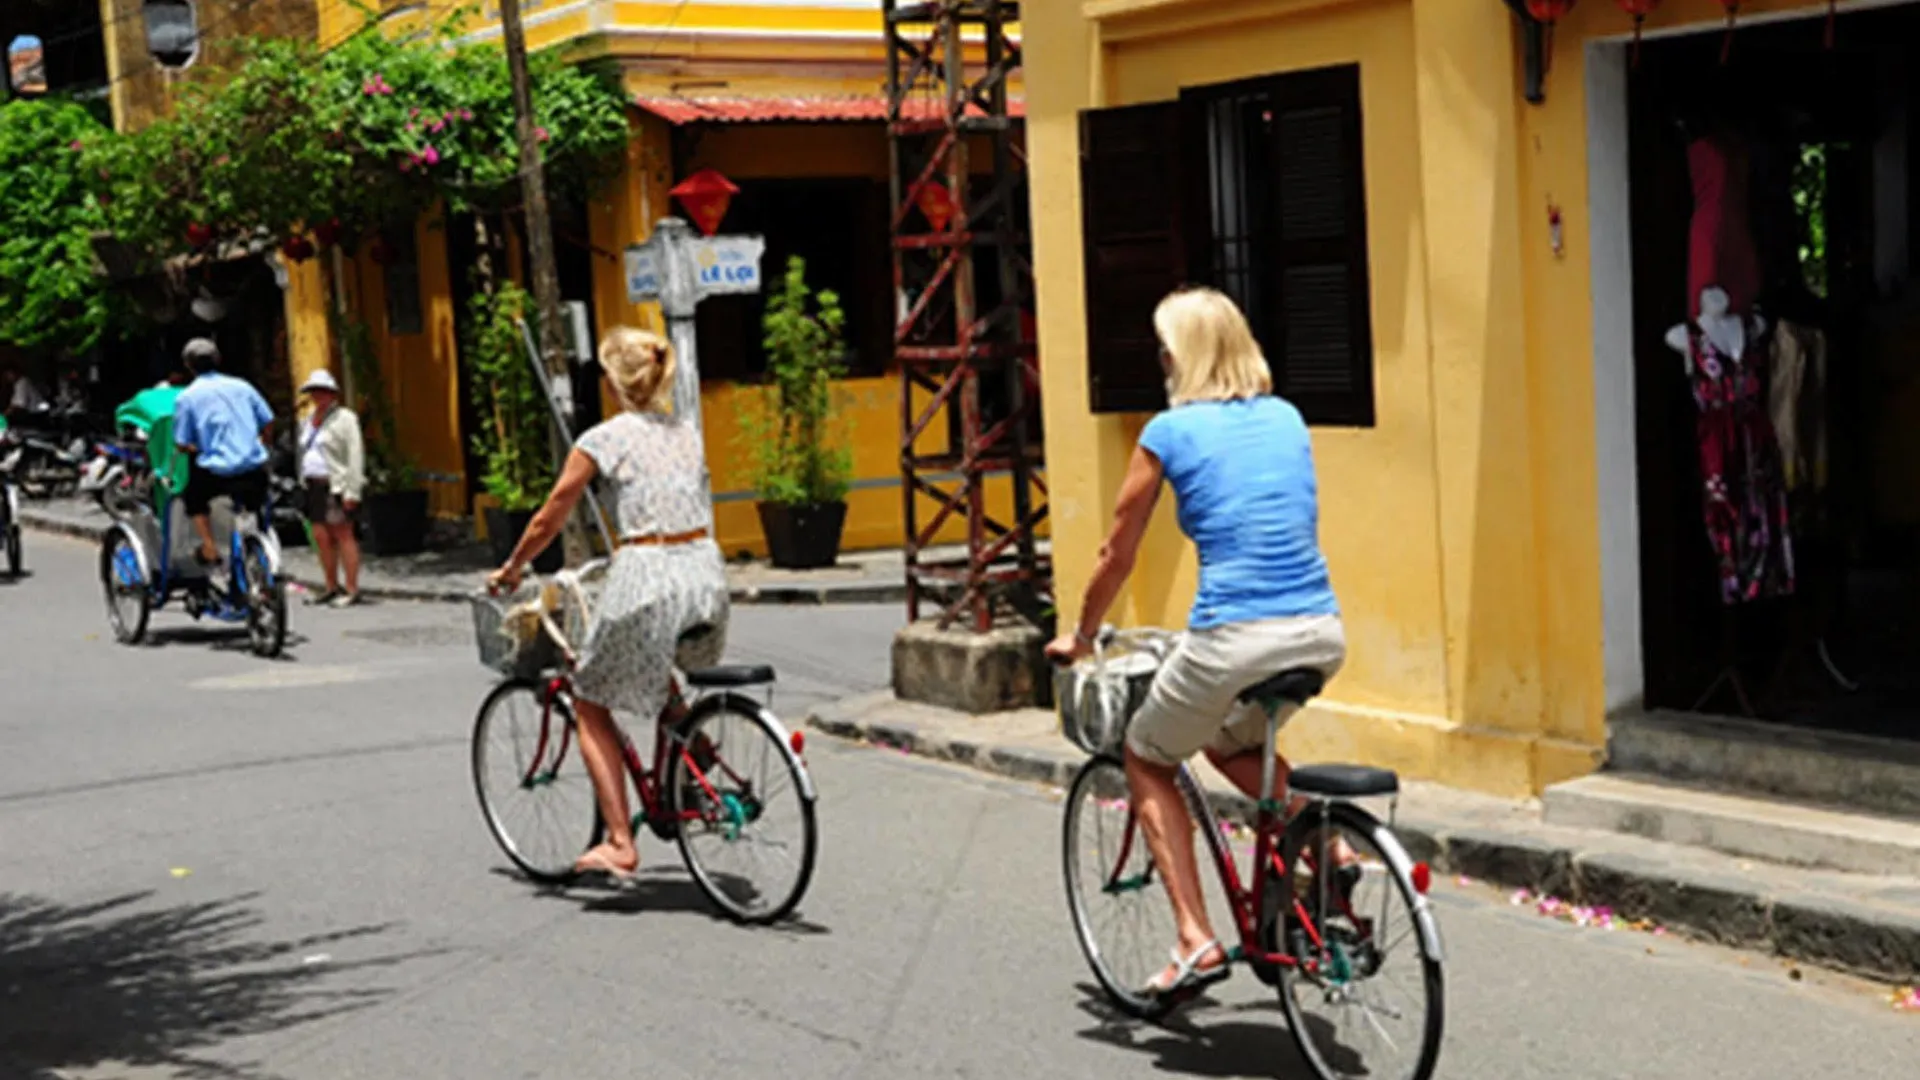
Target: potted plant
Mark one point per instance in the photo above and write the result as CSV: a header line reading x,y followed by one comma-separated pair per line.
x,y
394,506
517,467
802,468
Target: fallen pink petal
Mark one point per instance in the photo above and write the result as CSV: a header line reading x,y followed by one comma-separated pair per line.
x,y
1907,1001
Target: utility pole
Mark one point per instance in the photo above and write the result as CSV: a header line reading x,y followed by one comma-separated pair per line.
x,y
546,275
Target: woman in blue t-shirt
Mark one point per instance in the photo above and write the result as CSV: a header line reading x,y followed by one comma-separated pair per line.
x,y
1241,466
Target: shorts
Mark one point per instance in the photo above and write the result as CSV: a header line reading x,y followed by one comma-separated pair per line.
x,y
325,508
248,490
1194,702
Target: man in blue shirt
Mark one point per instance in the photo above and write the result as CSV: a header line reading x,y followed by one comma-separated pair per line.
x,y
221,423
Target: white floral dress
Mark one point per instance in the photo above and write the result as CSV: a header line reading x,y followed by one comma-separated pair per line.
x,y
662,606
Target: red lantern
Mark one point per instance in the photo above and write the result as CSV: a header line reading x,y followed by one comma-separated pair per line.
x,y
1546,13
936,203
297,247
327,233
706,195
199,235
1639,9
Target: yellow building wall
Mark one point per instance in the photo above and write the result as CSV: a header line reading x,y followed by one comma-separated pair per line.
x,y
1435,520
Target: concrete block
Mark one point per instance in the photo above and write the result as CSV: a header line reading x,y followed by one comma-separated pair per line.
x,y
1879,942
1763,828
999,670
1713,906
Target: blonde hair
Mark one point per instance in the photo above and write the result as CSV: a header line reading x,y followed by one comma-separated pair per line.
x,y
640,365
1210,348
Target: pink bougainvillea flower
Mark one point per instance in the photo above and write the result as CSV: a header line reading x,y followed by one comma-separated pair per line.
x,y
540,133
437,125
76,146
466,114
430,156
406,164
414,112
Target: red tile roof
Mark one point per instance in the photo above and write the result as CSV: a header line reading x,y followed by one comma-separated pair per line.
x,y
751,110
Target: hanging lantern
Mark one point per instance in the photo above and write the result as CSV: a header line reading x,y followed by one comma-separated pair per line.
x,y
706,195
936,204
1726,46
1546,13
1639,9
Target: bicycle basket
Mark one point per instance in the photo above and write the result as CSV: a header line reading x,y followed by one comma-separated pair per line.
x,y
507,632
1097,698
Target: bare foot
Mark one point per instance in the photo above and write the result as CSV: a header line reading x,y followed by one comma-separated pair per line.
x,y
608,859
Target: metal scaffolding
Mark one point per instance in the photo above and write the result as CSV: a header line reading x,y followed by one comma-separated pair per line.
x,y
976,368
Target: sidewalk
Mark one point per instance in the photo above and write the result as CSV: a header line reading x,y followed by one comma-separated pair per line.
x,y
1865,924
868,577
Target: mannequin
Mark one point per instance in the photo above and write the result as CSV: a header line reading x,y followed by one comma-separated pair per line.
x,y
1729,333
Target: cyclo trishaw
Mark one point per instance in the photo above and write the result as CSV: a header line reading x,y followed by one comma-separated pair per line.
x,y
148,553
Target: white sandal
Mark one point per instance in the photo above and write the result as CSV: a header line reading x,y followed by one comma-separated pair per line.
x,y
1188,976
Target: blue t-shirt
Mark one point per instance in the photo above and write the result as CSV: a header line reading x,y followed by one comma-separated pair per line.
x,y
223,417
1242,474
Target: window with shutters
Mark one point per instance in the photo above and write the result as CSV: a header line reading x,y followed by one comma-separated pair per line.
x,y
1256,188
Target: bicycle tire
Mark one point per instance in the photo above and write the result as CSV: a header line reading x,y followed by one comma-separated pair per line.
x,y
1098,778
128,627
714,818
1356,820
551,866
266,601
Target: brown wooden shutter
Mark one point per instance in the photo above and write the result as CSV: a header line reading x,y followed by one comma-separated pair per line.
x,y
1130,194
1323,356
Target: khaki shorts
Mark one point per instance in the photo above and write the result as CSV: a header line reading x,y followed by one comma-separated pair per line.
x,y
1193,704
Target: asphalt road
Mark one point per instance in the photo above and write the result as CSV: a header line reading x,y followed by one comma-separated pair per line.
x,y
212,865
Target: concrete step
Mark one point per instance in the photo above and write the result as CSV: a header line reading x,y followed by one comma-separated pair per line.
x,y
1879,776
1765,828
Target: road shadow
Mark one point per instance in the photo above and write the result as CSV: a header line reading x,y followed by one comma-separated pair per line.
x,y
221,637
1203,1038
650,892
124,982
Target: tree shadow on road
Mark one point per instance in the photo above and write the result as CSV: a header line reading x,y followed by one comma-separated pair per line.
x,y
651,892
122,982
1202,1040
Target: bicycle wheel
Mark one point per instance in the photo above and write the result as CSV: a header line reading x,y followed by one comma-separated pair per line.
x,y
744,804
129,600
1366,997
266,600
532,782
1120,912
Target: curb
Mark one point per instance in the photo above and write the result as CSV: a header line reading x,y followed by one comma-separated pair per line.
x,y
787,595
1872,940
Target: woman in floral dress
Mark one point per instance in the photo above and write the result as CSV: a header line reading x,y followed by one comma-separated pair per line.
x,y
664,603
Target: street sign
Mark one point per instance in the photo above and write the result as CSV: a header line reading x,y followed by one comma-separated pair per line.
x,y
727,265
680,269
646,279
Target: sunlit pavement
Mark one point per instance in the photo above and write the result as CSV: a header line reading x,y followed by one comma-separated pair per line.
x,y
213,865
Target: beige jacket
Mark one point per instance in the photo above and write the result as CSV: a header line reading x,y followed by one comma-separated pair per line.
x,y
345,451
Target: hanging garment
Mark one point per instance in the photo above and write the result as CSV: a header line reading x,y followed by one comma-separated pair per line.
x,y
1720,247
1743,498
1796,403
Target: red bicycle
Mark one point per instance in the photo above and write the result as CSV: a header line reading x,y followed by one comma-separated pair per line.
x,y
1342,941
729,784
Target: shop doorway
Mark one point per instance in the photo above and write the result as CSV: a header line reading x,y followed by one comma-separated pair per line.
x,y
1805,153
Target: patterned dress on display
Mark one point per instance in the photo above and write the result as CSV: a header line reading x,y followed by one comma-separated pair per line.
x,y
661,606
1744,496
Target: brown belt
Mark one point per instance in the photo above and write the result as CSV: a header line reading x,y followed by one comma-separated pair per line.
x,y
660,540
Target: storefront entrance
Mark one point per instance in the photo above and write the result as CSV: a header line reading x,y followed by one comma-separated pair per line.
x,y
1782,177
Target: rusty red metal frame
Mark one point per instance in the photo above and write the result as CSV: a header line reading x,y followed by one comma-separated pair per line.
x,y
946,348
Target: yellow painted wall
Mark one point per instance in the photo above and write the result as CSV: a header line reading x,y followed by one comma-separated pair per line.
x,y
1436,520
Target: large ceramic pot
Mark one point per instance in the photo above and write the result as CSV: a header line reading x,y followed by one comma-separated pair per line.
x,y
503,532
803,537
394,522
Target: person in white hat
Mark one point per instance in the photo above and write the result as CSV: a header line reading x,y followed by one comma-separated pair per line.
x,y
333,470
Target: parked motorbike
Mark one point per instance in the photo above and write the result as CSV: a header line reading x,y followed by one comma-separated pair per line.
x,y
10,548
52,448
